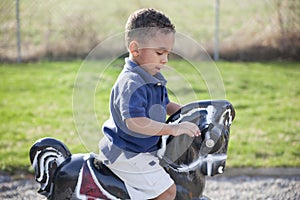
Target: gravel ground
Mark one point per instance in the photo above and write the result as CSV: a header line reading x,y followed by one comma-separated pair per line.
x,y
257,187
218,187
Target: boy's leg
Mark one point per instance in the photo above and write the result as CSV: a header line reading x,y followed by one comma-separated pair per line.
x,y
169,194
142,173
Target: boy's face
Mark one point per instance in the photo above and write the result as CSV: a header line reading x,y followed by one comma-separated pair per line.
x,y
152,54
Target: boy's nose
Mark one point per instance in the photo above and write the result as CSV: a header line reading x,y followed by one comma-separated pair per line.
x,y
164,60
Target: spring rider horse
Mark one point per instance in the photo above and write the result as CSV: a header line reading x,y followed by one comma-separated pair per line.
x,y
188,160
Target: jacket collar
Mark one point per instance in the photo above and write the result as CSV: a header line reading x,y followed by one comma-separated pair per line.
x,y
157,79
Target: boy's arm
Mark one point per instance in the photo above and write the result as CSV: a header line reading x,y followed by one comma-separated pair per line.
x,y
150,127
172,108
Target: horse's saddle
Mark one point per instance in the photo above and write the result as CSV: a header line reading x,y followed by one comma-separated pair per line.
x,y
95,180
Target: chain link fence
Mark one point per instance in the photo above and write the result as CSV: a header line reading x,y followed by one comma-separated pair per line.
x,y
65,29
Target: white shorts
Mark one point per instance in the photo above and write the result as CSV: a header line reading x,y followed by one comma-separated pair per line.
x,y
143,176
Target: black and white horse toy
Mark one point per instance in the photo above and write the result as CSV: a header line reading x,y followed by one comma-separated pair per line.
x,y
188,160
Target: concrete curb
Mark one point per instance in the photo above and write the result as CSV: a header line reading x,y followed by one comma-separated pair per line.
x,y
274,172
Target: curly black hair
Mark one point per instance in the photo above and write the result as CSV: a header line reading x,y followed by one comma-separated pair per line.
x,y
146,22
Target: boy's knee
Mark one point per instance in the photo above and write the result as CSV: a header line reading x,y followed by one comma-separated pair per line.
x,y
169,194
172,191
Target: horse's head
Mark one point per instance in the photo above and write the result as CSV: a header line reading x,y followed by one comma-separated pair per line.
x,y
213,119
46,155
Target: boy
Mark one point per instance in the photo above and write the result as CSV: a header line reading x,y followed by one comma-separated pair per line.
x,y
139,104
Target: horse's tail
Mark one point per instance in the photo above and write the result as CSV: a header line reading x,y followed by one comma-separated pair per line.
x,y
46,155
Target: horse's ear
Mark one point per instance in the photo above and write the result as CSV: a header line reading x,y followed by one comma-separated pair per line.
x,y
174,116
187,108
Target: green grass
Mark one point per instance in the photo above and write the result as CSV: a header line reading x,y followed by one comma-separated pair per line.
x,y
36,101
266,97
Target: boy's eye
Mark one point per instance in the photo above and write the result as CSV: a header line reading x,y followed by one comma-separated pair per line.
x,y
160,53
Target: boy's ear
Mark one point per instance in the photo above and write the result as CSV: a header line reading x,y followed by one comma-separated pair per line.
x,y
133,48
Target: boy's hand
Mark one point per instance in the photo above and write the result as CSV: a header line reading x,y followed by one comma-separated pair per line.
x,y
187,128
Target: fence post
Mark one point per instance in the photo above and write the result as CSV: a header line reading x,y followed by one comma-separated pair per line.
x,y
216,38
19,58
